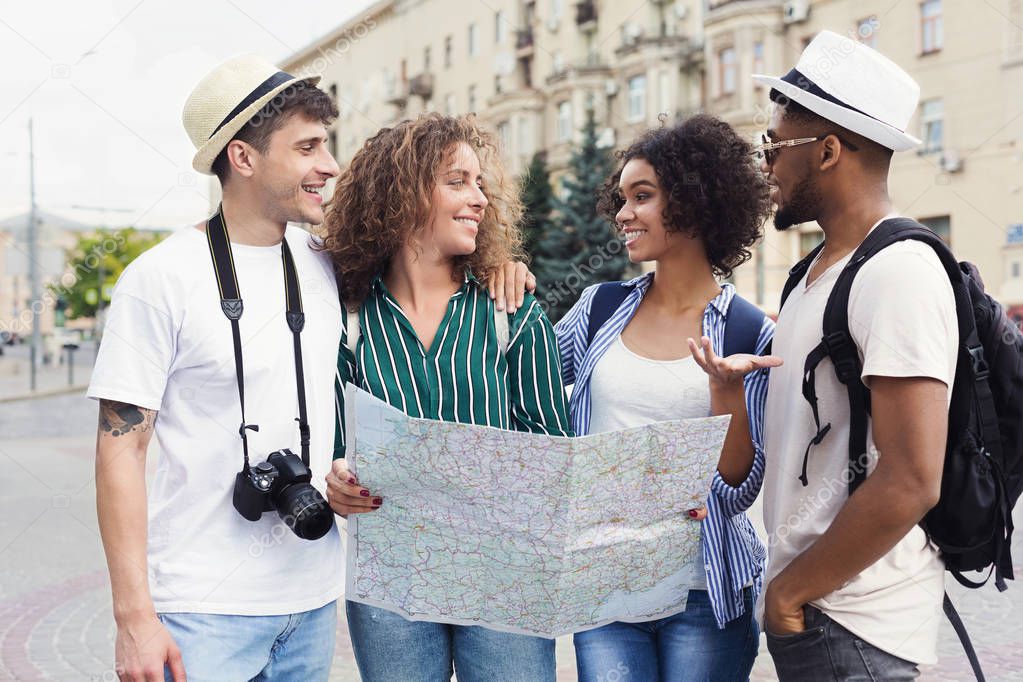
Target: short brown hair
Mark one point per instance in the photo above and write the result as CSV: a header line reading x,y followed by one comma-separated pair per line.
x,y
384,196
302,97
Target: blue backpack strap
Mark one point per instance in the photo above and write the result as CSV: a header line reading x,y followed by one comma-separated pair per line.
x,y
606,300
742,327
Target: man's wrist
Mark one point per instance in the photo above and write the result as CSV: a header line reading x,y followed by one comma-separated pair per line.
x,y
127,615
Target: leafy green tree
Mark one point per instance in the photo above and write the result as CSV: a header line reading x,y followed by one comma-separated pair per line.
x,y
93,266
579,246
537,199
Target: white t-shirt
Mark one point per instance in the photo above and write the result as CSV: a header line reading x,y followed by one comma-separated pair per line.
x,y
629,390
167,346
903,320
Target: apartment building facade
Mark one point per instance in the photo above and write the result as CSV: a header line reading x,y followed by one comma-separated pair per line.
x,y
532,68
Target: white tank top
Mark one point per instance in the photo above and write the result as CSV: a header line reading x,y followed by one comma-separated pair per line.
x,y
629,390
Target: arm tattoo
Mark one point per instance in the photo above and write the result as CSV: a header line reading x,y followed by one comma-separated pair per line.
x,y
119,419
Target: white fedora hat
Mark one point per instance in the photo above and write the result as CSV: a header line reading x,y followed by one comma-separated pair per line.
x,y
854,86
226,99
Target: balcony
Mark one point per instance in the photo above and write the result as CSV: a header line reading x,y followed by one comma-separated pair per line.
x,y
421,85
524,43
586,15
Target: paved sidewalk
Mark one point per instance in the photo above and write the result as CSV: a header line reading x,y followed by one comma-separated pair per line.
x,y
55,612
15,373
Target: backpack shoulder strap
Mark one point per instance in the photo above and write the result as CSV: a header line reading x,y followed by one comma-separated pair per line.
x,y
837,343
742,327
606,300
501,326
797,272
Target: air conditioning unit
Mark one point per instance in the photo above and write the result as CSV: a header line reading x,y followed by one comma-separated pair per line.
x,y
552,24
611,87
631,33
796,11
951,161
681,11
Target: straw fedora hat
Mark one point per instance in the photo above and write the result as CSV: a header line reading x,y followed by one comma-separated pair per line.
x,y
226,99
854,86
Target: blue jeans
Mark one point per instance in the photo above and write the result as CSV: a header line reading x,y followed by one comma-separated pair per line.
x,y
827,651
389,648
224,647
686,647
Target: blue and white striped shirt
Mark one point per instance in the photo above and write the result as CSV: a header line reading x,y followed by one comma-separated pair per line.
x,y
733,554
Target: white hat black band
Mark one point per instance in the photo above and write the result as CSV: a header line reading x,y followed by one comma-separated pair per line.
x,y
798,79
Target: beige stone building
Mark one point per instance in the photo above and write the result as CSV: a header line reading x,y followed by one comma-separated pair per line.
x,y
530,68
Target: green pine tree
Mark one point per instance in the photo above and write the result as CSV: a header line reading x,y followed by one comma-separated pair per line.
x,y
536,198
579,246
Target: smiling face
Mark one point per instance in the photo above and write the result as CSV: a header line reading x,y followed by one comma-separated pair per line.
x,y
795,190
294,170
641,217
457,204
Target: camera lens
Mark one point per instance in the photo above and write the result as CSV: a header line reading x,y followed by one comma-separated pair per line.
x,y
304,510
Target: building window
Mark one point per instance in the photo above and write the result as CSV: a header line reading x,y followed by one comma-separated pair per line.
x,y
504,136
564,132
499,27
866,31
1015,269
447,52
932,32
939,225
758,56
332,143
559,62
525,136
449,104
664,92
426,58
473,43
808,241
472,98
726,71
637,98
932,124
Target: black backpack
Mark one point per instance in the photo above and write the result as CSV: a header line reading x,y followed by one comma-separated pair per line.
x,y
983,473
742,328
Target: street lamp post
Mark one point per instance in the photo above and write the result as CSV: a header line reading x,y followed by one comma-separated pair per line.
x,y
33,261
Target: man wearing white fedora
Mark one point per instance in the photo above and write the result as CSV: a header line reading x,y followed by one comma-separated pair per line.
x,y
854,588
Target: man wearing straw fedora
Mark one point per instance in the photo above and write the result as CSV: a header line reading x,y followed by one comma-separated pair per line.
x,y
854,588
202,590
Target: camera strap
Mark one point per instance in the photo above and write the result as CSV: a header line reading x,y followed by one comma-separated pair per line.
x,y
231,305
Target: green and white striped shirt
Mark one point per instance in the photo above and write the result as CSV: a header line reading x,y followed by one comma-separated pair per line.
x,y
464,377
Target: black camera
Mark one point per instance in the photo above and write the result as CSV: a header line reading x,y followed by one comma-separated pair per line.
x,y
281,483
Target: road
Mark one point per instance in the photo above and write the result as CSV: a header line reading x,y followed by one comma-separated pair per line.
x,y
55,613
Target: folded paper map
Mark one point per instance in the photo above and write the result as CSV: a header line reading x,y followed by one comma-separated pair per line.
x,y
523,532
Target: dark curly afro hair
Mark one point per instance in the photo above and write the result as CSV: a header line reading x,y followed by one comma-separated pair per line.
x,y
714,189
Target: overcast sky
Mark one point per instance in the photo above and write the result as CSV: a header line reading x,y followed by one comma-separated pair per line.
x,y
105,81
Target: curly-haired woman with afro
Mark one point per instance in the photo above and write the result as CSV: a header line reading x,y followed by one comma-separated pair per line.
x,y
422,213
690,200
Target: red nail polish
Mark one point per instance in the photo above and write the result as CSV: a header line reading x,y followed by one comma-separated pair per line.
x,y
378,501
364,492
693,513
